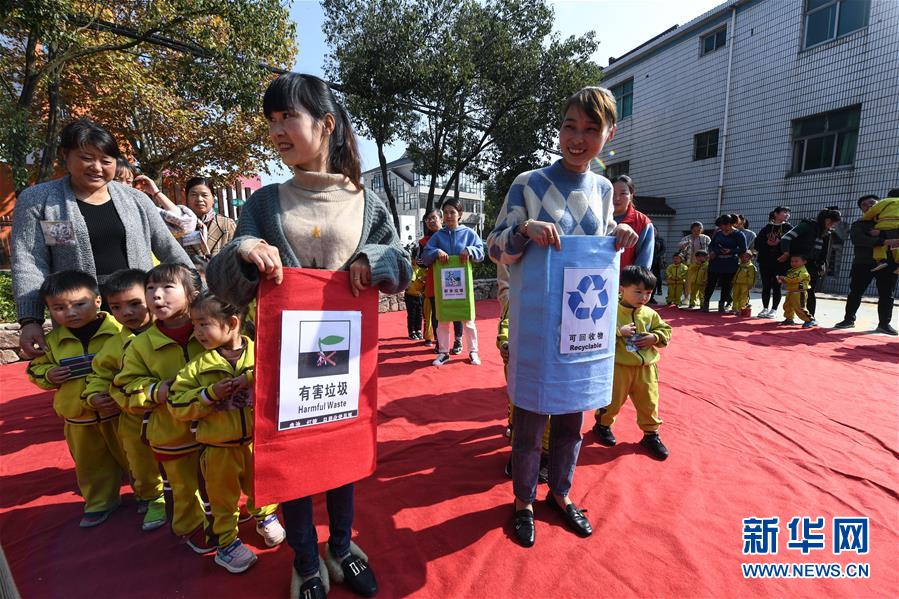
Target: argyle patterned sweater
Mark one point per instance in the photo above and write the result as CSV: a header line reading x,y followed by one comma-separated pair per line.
x,y
576,203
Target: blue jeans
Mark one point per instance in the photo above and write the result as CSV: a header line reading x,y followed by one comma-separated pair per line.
x,y
564,447
301,535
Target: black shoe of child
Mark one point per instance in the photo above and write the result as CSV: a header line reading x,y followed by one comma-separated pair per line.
x,y
604,435
543,475
508,470
313,589
358,576
574,518
457,347
654,445
429,343
523,525
844,324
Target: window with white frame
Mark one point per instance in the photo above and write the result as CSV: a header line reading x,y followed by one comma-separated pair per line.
x,y
624,98
714,40
705,145
825,140
826,20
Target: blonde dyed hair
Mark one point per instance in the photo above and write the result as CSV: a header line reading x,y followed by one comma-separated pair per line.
x,y
597,103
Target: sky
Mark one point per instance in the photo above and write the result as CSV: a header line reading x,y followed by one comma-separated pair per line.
x,y
620,26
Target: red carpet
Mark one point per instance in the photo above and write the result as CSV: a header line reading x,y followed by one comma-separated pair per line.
x,y
760,422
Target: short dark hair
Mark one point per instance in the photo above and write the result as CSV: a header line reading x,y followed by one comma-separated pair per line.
x,y
829,213
893,193
453,203
803,256
194,181
216,307
627,181
696,223
123,280
637,275
700,253
865,198
677,255
781,209
85,133
597,103
122,165
724,219
65,281
176,273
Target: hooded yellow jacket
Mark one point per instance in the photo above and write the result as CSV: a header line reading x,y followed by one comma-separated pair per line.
x,y
676,273
106,365
647,321
797,279
151,358
746,274
192,398
61,343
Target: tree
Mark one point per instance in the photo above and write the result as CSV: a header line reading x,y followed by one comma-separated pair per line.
x,y
211,55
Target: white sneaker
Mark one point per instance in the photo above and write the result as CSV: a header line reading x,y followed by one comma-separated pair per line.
x,y
441,360
475,360
236,557
271,530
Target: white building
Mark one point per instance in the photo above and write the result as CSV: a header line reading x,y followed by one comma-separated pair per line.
x,y
759,103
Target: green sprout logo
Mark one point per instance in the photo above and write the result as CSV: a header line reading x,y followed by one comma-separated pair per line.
x,y
327,359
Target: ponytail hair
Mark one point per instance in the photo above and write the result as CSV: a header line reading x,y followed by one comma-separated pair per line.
x,y
292,91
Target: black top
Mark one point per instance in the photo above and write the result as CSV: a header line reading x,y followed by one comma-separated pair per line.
x,y
771,232
107,234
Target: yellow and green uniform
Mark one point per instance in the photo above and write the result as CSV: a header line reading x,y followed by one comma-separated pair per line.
x,y
885,215
636,373
225,428
90,435
744,280
676,276
142,466
150,359
797,283
697,275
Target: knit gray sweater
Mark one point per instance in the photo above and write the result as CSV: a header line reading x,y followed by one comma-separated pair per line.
x,y
236,281
33,260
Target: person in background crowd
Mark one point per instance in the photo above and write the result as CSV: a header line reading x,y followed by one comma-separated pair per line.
x,y
179,219
771,264
658,264
215,231
865,237
625,213
689,245
742,225
724,256
84,221
812,239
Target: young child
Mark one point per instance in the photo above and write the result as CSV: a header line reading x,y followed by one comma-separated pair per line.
x,y
150,364
215,390
82,329
744,280
124,293
885,215
412,297
640,332
697,275
676,276
454,240
797,281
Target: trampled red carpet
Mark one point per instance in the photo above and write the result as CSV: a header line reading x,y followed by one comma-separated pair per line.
x,y
761,422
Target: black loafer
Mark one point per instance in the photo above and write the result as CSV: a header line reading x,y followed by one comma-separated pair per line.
x,y
313,589
523,524
574,518
604,435
655,447
358,576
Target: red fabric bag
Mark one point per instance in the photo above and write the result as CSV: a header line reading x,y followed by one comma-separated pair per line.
x,y
328,450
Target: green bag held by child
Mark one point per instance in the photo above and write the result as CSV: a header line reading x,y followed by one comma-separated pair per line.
x,y
453,290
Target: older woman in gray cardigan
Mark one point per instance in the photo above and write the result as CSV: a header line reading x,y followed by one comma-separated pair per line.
x,y
84,221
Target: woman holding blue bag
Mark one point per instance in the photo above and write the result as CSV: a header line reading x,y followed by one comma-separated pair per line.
x,y
565,198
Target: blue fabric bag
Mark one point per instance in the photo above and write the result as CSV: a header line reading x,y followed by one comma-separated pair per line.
x,y
562,324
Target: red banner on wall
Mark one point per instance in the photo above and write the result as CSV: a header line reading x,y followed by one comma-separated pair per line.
x,y
316,385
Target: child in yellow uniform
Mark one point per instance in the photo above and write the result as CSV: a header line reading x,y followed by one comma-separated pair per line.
x,y
124,293
797,281
744,280
885,215
151,362
90,426
640,332
215,390
697,275
676,276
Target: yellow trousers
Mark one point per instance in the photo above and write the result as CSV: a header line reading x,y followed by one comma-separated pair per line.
x,y
641,384
228,471
427,330
99,463
144,470
880,253
675,292
695,292
740,294
794,304
182,497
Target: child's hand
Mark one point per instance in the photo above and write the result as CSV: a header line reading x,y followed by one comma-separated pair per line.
x,y
504,350
241,383
628,330
223,389
442,256
780,278
103,402
463,257
162,392
58,375
645,340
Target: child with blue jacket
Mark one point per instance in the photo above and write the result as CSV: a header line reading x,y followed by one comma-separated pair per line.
x,y
454,239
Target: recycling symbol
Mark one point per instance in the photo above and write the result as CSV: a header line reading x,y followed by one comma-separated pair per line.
x,y
590,300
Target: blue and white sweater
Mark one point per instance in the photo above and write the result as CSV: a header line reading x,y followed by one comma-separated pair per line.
x,y
453,241
576,203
